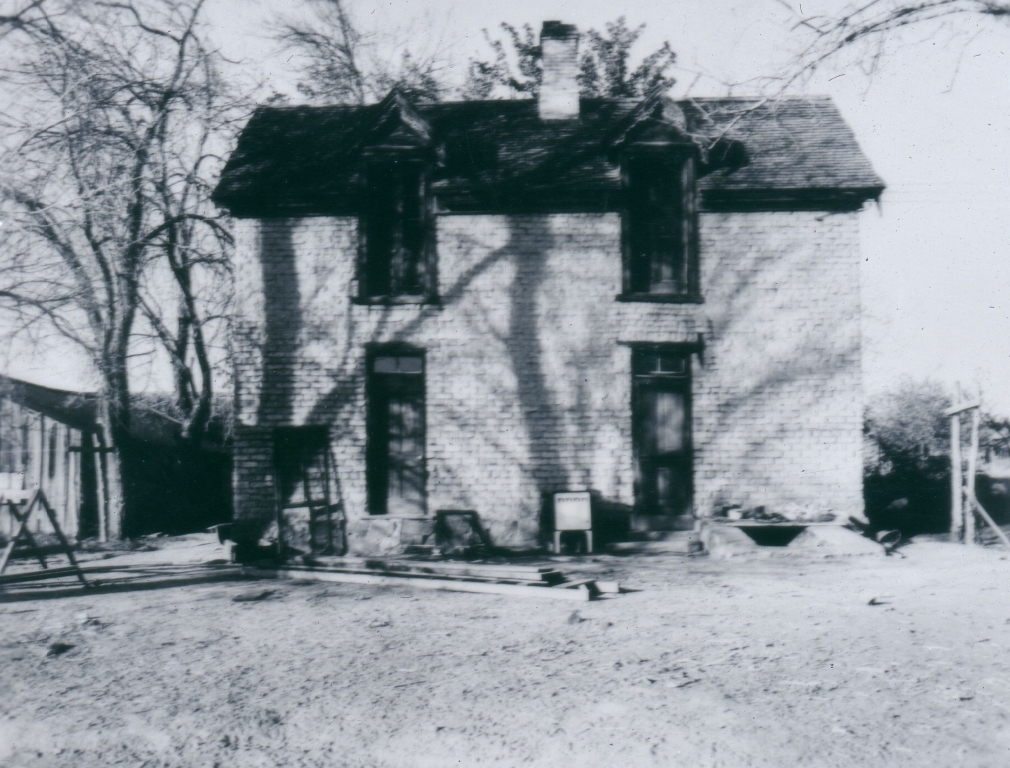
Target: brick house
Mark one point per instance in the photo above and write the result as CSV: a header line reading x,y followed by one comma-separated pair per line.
x,y
472,305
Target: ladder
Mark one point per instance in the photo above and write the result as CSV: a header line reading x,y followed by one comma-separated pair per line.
x,y
307,468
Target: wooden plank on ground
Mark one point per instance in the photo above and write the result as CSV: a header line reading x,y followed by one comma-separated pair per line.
x,y
131,584
581,594
393,564
490,574
397,574
157,570
480,570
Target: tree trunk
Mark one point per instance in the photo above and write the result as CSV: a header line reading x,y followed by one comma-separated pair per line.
x,y
114,435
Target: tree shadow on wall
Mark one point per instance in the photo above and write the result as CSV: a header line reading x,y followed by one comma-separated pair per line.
x,y
771,373
529,241
282,322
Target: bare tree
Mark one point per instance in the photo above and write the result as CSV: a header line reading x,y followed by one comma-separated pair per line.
x,y
26,16
343,65
605,64
109,239
863,27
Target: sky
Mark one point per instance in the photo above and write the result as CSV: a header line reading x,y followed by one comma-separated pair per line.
x,y
933,120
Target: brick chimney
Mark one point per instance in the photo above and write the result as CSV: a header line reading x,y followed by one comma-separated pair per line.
x,y
559,88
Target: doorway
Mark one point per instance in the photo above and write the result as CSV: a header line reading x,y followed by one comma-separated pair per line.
x,y
661,430
396,434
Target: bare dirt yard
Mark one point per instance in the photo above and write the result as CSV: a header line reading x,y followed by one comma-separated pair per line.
x,y
794,661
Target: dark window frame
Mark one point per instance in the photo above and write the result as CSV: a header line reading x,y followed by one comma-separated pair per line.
x,y
396,231
642,225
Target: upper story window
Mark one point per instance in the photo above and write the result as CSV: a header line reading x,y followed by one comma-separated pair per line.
x,y
660,228
396,258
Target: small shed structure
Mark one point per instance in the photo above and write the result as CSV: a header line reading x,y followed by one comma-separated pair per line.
x,y
49,440
54,440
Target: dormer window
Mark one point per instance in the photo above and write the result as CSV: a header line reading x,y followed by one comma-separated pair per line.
x,y
660,227
396,232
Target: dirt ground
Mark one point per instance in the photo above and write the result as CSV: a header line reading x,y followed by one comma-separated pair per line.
x,y
788,662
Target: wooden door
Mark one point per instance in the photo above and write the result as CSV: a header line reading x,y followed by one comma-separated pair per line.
x,y
396,436
661,410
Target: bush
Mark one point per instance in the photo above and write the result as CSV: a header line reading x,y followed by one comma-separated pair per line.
x,y
907,466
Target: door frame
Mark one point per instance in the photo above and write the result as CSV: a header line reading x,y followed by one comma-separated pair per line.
x,y
643,518
372,465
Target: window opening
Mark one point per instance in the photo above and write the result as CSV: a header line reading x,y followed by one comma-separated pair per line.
x,y
52,451
395,230
660,223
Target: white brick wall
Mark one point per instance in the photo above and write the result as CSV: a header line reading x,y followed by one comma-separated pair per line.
x,y
528,378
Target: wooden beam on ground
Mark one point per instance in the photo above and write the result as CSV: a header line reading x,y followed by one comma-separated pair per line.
x,y
51,573
445,565
580,594
155,570
477,570
403,574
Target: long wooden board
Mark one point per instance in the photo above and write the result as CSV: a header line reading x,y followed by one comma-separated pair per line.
x,y
493,572
162,569
402,574
583,592
439,565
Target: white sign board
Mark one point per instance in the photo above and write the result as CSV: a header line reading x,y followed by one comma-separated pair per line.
x,y
572,512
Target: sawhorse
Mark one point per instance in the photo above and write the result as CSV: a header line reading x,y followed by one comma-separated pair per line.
x,y
35,501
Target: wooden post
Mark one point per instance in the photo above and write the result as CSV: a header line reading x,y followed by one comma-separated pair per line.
x,y
956,516
101,488
969,509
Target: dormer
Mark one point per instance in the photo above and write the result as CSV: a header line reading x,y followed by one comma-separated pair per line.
x,y
397,259
658,157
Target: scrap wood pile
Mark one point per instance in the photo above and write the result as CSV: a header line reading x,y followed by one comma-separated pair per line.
x,y
487,578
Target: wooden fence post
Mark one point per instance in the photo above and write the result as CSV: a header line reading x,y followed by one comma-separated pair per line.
x,y
969,509
956,516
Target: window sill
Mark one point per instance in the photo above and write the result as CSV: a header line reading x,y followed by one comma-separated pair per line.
x,y
388,301
662,298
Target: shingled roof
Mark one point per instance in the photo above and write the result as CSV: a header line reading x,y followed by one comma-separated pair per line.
x,y
499,156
